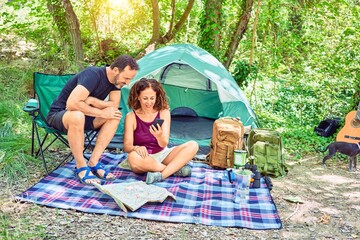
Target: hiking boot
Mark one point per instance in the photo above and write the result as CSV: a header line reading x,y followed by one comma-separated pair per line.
x,y
153,177
184,171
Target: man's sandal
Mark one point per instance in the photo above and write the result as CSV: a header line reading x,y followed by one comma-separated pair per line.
x,y
86,177
99,166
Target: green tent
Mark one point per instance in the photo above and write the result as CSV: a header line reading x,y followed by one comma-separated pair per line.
x,y
194,79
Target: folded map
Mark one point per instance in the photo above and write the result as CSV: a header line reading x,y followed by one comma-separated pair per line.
x,y
133,195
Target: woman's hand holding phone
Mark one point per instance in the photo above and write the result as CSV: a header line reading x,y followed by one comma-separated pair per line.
x,y
155,128
158,121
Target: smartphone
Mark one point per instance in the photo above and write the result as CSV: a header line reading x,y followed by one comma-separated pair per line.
x,y
158,121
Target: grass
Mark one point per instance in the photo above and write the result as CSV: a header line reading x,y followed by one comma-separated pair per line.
x,y
16,162
22,228
15,127
14,153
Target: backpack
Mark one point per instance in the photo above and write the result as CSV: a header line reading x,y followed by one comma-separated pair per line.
x,y
327,127
227,136
266,151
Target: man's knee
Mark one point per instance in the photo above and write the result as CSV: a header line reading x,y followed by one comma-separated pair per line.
x,y
75,118
100,122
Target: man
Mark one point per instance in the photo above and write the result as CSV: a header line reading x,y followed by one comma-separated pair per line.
x,y
81,106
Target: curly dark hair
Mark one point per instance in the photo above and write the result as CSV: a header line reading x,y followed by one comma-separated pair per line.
x,y
124,60
161,98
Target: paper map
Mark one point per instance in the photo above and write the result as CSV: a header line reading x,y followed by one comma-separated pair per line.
x,y
134,194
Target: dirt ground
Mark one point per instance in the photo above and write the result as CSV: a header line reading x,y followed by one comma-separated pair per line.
x,y
330,209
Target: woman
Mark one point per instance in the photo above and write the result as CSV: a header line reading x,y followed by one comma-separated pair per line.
x,y
145,143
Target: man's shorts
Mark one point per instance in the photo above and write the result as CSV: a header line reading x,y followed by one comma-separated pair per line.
x,y
160,156
54,119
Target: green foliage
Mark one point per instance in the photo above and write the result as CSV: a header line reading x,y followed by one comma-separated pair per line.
x,y
296,106
244,73
308,70
300,142
30,32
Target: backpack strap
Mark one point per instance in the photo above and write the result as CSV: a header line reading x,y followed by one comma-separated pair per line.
x,y
267,154
227,155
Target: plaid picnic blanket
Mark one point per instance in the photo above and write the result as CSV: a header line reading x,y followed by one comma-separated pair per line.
x,y
206,197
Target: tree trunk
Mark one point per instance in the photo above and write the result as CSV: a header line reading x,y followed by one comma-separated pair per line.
x,y
171,25
211,27
93,13
172,32
75,34
239,32
254,33
69,30
156,38
156,21
56,10
93,20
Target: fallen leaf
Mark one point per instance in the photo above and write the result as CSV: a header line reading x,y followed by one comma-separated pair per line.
x,y
294,199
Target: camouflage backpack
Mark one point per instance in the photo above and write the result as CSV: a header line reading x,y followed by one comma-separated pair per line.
x,y
266,151
227,136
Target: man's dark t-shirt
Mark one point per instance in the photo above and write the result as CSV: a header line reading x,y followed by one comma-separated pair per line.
x,y
94,79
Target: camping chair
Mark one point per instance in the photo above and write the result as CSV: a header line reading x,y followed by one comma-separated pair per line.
x,y
46,88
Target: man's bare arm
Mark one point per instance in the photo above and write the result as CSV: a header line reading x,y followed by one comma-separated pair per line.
x,y
78,98
101,104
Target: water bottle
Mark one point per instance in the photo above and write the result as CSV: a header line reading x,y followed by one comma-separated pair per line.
x,y
241,194
244,190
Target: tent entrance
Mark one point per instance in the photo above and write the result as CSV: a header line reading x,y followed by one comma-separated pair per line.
x,y
191,128
185,128
187,125
199,129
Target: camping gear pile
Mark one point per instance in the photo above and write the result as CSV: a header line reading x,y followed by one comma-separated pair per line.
x,y
264,146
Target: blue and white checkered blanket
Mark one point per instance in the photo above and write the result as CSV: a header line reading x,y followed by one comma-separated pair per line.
x,y
206,197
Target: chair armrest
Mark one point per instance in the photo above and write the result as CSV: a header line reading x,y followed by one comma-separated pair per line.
x,y
31,106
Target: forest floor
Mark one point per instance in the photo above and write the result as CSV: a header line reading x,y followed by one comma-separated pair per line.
x,y
330,210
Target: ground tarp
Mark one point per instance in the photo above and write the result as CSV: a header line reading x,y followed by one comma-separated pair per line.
x,y
204,198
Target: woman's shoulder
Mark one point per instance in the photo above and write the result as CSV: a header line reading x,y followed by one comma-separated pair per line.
x,y
165,112
130,114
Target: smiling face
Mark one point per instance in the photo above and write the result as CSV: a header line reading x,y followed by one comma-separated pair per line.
x,y
147,98
147,94
123,78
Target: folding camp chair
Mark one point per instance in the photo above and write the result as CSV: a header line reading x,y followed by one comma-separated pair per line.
x,y
46,88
